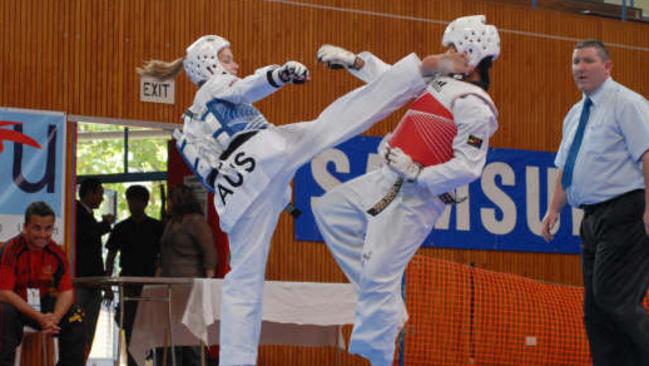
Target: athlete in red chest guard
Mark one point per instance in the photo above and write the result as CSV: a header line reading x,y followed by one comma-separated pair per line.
x,y
375,223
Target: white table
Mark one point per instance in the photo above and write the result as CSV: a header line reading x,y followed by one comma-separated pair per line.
x,y
294,313
166,283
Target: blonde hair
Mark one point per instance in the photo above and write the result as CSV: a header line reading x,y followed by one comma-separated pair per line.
x,y
161,70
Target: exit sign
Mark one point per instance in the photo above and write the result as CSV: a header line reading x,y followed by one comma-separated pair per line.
x,y
157,91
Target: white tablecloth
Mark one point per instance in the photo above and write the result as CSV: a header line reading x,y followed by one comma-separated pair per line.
x,y
295,313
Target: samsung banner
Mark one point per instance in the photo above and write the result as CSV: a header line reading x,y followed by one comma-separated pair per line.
x,y
32,166
503,209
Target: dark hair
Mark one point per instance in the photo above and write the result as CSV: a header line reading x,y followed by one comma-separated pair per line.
x,y
483,70
88,186
38,208
602,51
137,192
183,201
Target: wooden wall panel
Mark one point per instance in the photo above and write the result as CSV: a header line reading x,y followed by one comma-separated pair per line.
x,y
79,56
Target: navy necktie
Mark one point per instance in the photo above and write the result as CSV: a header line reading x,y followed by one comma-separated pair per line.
x,y
566,179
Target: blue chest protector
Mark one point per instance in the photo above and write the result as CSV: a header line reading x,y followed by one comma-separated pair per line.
x,y
225,119
230,118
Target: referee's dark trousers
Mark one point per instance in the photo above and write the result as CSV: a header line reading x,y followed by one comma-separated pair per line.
x,y
615,264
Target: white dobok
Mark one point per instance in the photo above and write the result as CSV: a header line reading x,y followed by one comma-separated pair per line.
x,y
375,223
251,179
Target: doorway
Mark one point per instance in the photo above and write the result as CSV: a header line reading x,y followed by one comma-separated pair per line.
x,y
120,154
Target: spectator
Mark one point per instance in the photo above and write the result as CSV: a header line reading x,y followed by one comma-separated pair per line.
x,y
186,249
89,260
138,240
36,290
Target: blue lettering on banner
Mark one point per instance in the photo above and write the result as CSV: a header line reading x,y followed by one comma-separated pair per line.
x,y
503,211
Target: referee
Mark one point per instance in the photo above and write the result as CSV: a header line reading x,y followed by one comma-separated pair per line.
x,y
604,169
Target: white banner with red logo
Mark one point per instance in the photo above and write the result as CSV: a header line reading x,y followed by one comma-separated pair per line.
x,y
32,167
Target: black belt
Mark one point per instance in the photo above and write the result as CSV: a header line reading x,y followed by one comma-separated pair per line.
x,y
239,140
446,198
236,142
598,206
387,199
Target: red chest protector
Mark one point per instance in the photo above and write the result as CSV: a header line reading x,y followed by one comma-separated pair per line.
x,y
427,130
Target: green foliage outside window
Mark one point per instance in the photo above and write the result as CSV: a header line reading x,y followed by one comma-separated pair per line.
x,y
100,150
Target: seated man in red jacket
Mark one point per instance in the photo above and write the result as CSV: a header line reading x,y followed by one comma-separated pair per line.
x,y
36,290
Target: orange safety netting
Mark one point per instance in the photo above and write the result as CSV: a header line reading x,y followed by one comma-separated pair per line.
x,y
461,315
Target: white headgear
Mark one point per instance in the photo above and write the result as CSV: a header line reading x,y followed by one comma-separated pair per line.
x,y
201,61
473,36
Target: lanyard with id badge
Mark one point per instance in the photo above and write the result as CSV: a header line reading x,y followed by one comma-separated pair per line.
x,y
34,298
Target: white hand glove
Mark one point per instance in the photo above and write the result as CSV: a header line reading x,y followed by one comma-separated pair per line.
x,y
402,164
384,147
336,57
292,71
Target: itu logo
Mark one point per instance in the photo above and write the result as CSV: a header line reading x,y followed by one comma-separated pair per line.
x,y
45,153
15,136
